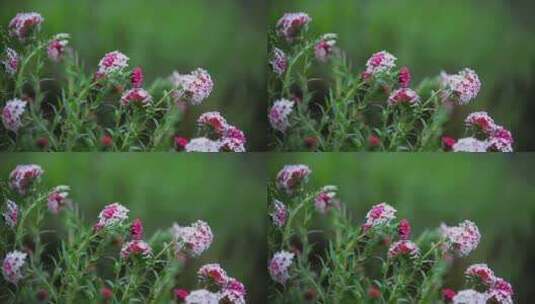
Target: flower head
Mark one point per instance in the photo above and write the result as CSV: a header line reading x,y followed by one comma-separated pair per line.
x,y
194,87
229,144
292,177
448,142
290,25
404,77
379,214
112,214
12,114
202,296
11,214
11,61
279,114
229,296
136,229
25,24
12,266
57,46
481,121
202,144
500,292
58,199
469,296
213,273
180,143
136,78
403,248
279,265
214,121
463,86
112,62
136,95
481,273
469,144
461,239
137,248
448,294
236,286
279,214
279,61
181,293
404,229
326,199
403,95
192,240
324,48
380,62
23,177
500,140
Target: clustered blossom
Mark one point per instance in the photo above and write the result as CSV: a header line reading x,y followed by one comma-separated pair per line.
x,y
136,95
11,61
279,265
136,78
279,114
379,214
404,77
57,47
403,248
291,177
136,229
230,291
279,214
58,199
380,62
12,114
481,121
481,273
326,199
202,144
325,47
279,61
12,266
136,248
23,177
463,86
194,87
192,240
290,25
404,229
403,95
112,214
213,120
202,296
213,273
461,239
469,296
24,24
228,138
501,292
112,62
470,144
11,214
496,137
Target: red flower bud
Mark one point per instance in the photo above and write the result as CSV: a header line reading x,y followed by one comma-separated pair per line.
x,y
106,293
137,78
181,294
374,292
106,141
448,294
373,140
404,229
447,143
180,143
404,77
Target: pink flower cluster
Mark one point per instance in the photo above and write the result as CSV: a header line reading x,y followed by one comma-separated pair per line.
x,y
12,266
497,290
136,96
379,214
462,87
404,77
192,240
194,87
380,62
112,62
136,246
11,61
469,296
57,47
290,25
12,114
403,95
404,229
23,177
228,138
11,214
461,239
291,177
279,266
496,137
112,214
279,61
403,248
58,199
24,24
202,296
229,289
326,199
279,114
279,214
325,47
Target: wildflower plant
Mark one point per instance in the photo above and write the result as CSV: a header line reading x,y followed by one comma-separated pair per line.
x,y
376,107
112,108
376,259
110,261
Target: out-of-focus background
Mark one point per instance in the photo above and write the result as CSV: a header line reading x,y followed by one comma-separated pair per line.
x,y
496,38
495,191
227,38
227,191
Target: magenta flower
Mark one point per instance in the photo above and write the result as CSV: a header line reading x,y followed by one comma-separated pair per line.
x,y
404,77
111,215
448,142
480,121
403,248
12,266
403,95
279,214
137,78
192,240
404,229
136,95
324,48
279,114
181,293
500,140
136,248
279,61
463,86
11,213
12,114
57,47
501,292
58,199
379,214
326,199
213,274
291,177
23,177
112,62
194,87
25,24
291,25
231,145
461,239
480,273
231,297
237,287
380,62
136,229
214,121
279,266
11,61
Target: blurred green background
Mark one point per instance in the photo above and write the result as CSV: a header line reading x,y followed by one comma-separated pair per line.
x,y
495,191
225,37
227,191
494,37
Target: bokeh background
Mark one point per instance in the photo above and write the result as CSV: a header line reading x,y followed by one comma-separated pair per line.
x,y
227,191
495,191
227,38
494,37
